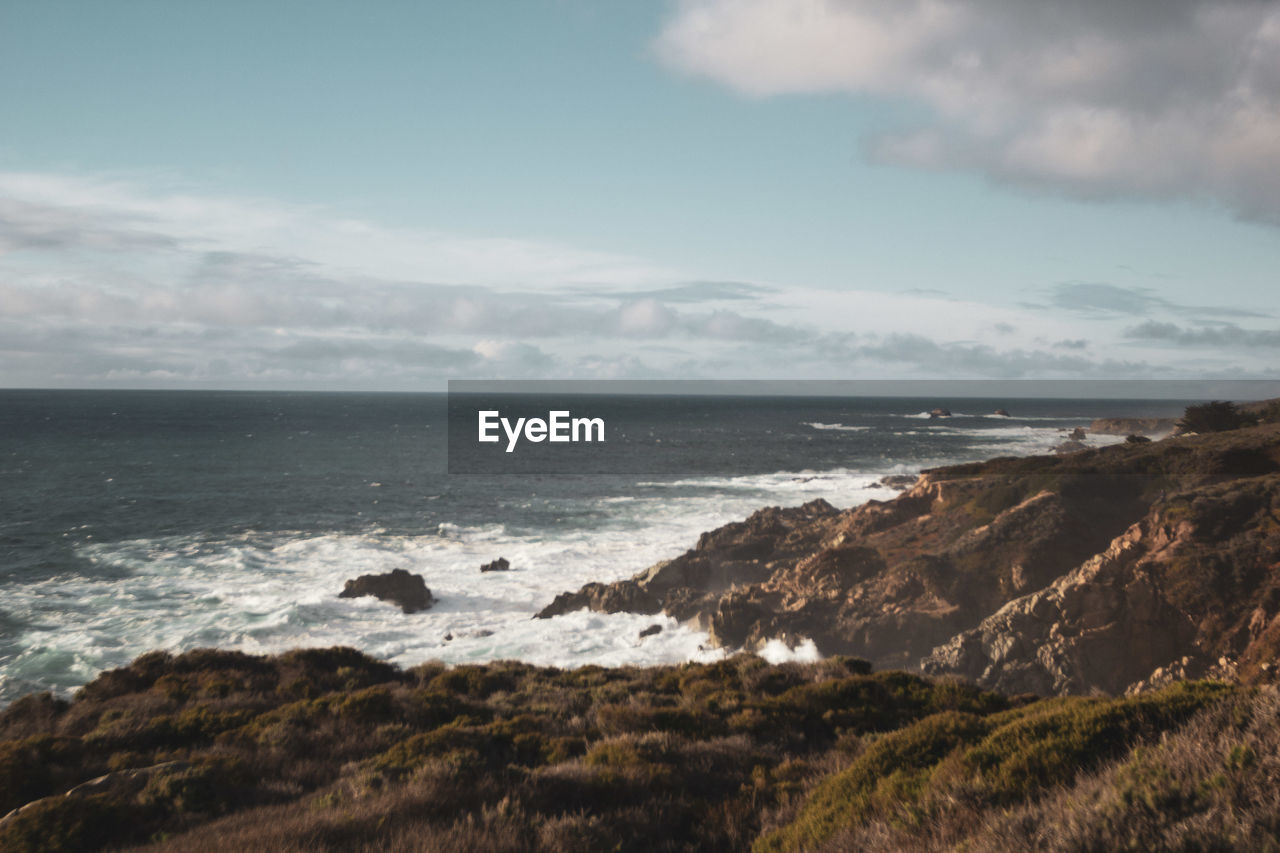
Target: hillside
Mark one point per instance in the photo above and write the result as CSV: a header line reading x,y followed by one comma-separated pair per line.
x,y
329,750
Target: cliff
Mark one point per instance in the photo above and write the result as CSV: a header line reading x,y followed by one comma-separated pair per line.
x,y
1105,570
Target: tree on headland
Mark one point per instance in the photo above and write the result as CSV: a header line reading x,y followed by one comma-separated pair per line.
x,y
1215,416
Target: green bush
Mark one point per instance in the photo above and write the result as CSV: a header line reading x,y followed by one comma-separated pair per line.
x,y
1215,416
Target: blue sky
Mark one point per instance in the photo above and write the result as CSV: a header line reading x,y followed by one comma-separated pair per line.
x,y
342,195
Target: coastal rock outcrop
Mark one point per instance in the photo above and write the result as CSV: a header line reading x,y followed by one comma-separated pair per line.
x,y
618,597
1189,590
1050,574
397,586
498,565
1134,426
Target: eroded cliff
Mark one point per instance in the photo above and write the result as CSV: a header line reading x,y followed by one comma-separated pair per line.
x,y
1103,570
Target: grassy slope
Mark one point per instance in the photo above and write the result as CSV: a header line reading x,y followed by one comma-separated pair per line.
x,y
331,750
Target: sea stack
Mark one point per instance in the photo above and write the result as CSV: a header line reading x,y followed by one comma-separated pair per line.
x,y
397,586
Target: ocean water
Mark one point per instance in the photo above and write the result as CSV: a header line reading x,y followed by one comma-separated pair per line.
x,y
132,521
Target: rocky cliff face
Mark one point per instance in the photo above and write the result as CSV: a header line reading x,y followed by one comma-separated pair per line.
x,y
1193,588
1102,570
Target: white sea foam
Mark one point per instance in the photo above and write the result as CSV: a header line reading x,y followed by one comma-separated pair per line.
x,y
992,415
268,592
839,427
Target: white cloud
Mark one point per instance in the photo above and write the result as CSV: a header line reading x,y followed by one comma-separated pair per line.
x,y
110,283
81,214
1098,98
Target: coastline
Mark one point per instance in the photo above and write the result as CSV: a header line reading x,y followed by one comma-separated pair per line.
x,y
251,556
320,749
1079,573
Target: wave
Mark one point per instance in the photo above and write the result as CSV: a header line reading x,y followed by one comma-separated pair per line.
x,y
1057,419
840,427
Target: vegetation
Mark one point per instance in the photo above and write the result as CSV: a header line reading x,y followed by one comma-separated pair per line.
x,y
331,750
1216,416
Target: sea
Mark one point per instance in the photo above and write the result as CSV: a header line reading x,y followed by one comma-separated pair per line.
x,y
141,520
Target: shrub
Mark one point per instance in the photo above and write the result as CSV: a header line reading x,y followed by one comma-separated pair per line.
x,y
1215,416
59,824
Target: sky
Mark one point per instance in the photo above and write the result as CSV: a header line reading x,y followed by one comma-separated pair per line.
x,y
385,196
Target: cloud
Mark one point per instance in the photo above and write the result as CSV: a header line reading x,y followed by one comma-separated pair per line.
x,y
27,225
49,211
1227,335
703,291
1101,299
1143,98
915,356
103,283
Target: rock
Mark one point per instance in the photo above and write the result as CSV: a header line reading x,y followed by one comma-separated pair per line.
x,y
1133,426
650,631
1167,600
397,586
737,553
622,596
1099,628
898,481
1004,413
940,413
498,565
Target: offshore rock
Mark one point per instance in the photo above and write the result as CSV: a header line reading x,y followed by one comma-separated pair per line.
x,y
498,565
397,586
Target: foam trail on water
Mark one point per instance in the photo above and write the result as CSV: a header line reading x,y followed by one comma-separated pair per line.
x,y
265,592
838,427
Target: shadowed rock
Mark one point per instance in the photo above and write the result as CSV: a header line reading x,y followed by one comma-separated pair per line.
x,y
1011,572
397,586
498,565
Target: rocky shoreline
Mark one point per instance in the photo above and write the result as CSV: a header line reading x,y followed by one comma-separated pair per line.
x,y
1106,570
1140,568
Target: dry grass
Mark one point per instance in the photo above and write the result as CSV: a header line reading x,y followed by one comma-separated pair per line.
x,y
328,750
